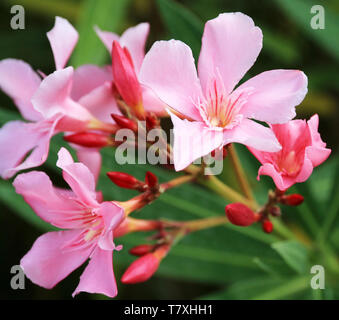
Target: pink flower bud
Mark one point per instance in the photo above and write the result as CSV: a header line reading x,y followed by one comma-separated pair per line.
x,y
124,122
141,249
239,214
89,139
141,269
125,79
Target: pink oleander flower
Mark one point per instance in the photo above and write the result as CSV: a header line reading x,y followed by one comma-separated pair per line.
x,y
90,227
302,150
49,105
126,65
207,111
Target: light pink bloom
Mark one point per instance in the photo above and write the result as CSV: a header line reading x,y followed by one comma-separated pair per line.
x,y
133,41
48,104
207,112
90,227
302,150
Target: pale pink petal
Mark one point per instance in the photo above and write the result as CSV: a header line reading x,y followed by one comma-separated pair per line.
x,y
98,276
101,103
152,103
230,45
275,95
53,96
78,177
88,77
254,135
47,263
91,158
192,140
106,37
134,39
54,205
19,81
169,70
112,215
62,38
17,139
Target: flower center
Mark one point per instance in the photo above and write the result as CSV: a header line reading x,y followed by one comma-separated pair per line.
x,y
220,110
288,163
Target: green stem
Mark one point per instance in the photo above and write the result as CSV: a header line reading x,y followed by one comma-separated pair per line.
x,y
239,171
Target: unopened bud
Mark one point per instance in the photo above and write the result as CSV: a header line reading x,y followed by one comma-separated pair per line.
x,y
124,122
125,79
141,269
292,199
267,226
125,180
141,250
151,179
89,139
239,214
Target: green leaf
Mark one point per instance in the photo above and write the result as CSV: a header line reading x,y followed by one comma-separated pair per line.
x,y
300,12
294,254
182,24
107,15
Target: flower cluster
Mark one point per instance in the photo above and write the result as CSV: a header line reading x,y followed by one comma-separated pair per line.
x,y
209,112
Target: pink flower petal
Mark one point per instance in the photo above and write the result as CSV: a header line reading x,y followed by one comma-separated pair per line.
x,y
281,182
152,103
101,103
98,276
275,95
47,263
134,39
318,152
230,45
106,37
91,158
88,77
53,96
62,38
169,70
36,137
253,135
78,177
19,81
54,205
112,215
192,140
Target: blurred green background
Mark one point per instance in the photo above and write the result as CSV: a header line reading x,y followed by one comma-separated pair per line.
x,y
225,262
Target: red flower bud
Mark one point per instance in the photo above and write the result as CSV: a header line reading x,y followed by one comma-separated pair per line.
x,y
292,199
239,214
124,122
151,179
125,180
89,139
141,269
267,226
141,249
125,79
